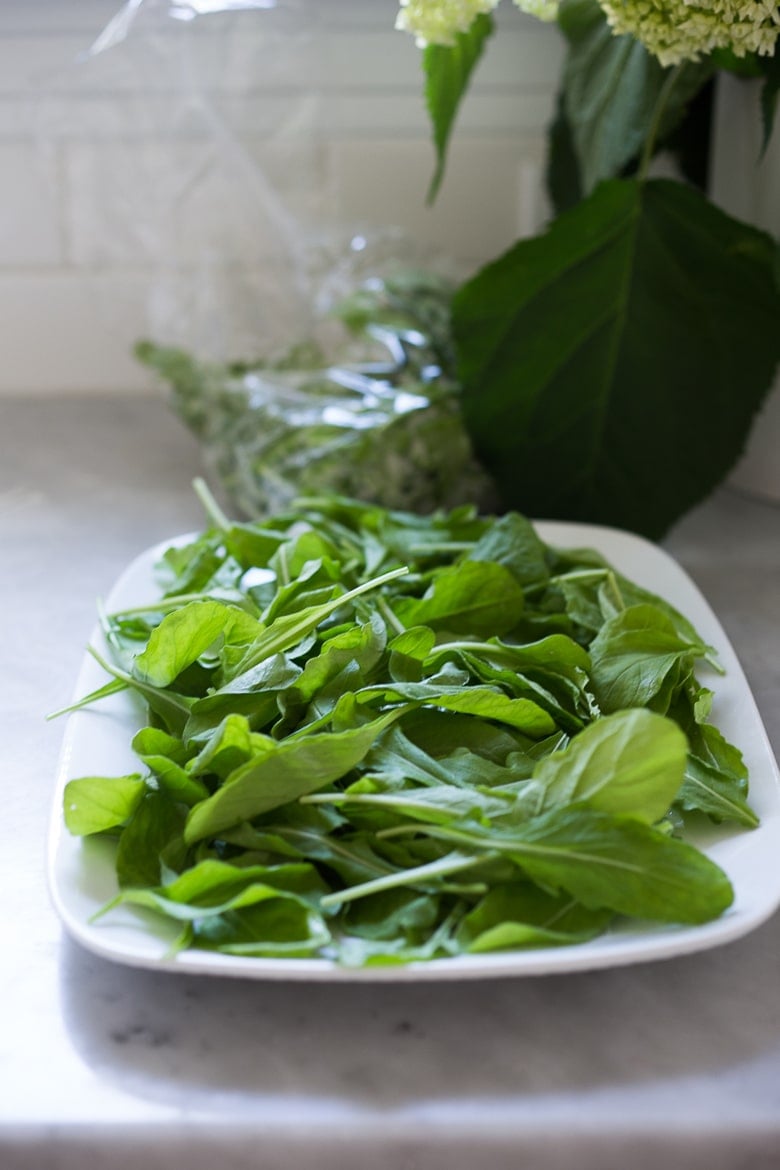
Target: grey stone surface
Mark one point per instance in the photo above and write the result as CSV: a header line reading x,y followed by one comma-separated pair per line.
x,y
675,1062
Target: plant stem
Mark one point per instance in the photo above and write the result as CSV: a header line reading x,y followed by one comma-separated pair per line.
x,y
210,505
655,125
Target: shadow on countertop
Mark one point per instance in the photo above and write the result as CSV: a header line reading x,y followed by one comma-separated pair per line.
x,y
209,1042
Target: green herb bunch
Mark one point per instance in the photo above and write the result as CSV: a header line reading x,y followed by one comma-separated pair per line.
x,y
375,415
377,737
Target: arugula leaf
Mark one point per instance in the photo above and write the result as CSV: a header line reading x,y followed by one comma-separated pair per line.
x,y
384,769
477,597
611,862
150,841
634,654
513,541
484,702
187,633
630,763
281,772
521,915
714,792
92,804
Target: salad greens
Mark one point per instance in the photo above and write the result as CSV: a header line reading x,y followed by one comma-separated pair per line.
x,y
368,406
379,737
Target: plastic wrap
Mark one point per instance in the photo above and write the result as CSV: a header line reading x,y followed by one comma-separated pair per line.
x,y
221,190
385,429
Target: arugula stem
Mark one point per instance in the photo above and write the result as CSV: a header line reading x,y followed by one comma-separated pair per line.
x,y
111,688
387,613
452,863
655,125
466,647
284,569
210,505
168,604
288,632
443,546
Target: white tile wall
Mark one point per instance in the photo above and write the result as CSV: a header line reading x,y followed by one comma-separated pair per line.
x,y
168,183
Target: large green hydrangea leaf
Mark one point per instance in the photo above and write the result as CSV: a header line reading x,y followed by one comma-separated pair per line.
x,y
611,367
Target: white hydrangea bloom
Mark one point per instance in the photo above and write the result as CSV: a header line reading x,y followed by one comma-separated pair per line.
x,y
673,30
541,9
437,22
684,30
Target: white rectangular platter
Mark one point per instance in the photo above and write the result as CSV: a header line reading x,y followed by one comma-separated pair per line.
x,y
97,742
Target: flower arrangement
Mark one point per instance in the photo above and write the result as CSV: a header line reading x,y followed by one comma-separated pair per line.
x,y
611,367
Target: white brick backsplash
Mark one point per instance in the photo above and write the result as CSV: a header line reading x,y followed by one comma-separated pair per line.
x,y
476,213
166,183
30,211
253,52
174,203
64,332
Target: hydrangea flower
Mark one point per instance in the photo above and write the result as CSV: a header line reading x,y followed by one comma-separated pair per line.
x,y
673,30
683,30
437,22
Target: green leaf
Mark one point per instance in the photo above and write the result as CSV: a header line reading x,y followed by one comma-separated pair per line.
x,y
483,702
281,772
522,915
770,67
228,746
633,655
288,630
512,541
393,914
253,693
92,804
362,643
611,87
421,875
187,633
608,861
716,793
448,69
630,763
612,367
253,910
562,173
155,829
473,597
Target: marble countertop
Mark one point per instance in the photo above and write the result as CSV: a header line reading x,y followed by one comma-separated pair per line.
x,y
676,1062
